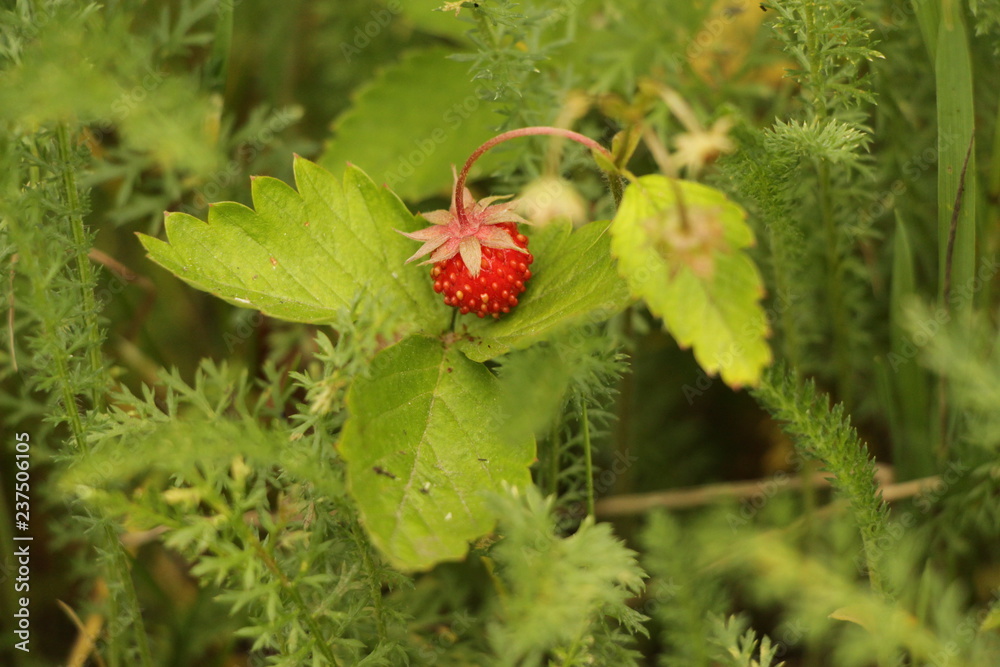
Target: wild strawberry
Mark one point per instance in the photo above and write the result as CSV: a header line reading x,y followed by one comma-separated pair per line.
x,y
501,278
480,259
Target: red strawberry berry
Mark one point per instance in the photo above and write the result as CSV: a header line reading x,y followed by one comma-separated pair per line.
x,y
502,274
480,259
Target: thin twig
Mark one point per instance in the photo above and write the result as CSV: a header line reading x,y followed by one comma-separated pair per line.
x,y
697,496
87,635
130,277
588,460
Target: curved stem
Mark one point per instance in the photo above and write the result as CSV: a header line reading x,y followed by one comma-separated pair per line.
x,y
513,134
588,460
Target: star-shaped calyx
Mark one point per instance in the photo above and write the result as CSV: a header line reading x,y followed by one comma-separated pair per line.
x,y
480,259
480,224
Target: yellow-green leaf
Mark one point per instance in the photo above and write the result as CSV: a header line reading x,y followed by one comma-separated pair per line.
x,y
680,248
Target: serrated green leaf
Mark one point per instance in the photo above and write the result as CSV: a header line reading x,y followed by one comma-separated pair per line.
x,y
305,255
574,281
424,440
706,289
415,120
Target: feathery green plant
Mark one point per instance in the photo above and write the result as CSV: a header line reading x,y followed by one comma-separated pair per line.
x,y
826,434
739,644
682,595
562,597
819,159
63,349
266,520
358,485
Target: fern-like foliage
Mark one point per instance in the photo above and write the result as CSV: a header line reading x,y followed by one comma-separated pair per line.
x,y
511,42
962,522
260,510
829,140
738,644
824,610
829,42
44,225
563,391
826,434
55,335
822,173
563,599
987,13
760,175
682,595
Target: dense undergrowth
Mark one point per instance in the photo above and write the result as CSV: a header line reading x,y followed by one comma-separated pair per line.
x,y
202,483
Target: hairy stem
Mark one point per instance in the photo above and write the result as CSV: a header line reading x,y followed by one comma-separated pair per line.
x,y
783,291
553,463
834,289
616,188
588,460
82,264
812,48
32,262
305,614
374,588
122,570
217,68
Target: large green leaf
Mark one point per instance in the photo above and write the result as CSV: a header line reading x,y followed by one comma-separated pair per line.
x,y
305,255
424,439
411,123
679,245
574,282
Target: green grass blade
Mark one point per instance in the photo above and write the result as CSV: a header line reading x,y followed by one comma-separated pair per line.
x,y
912,451
956,124
928,17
